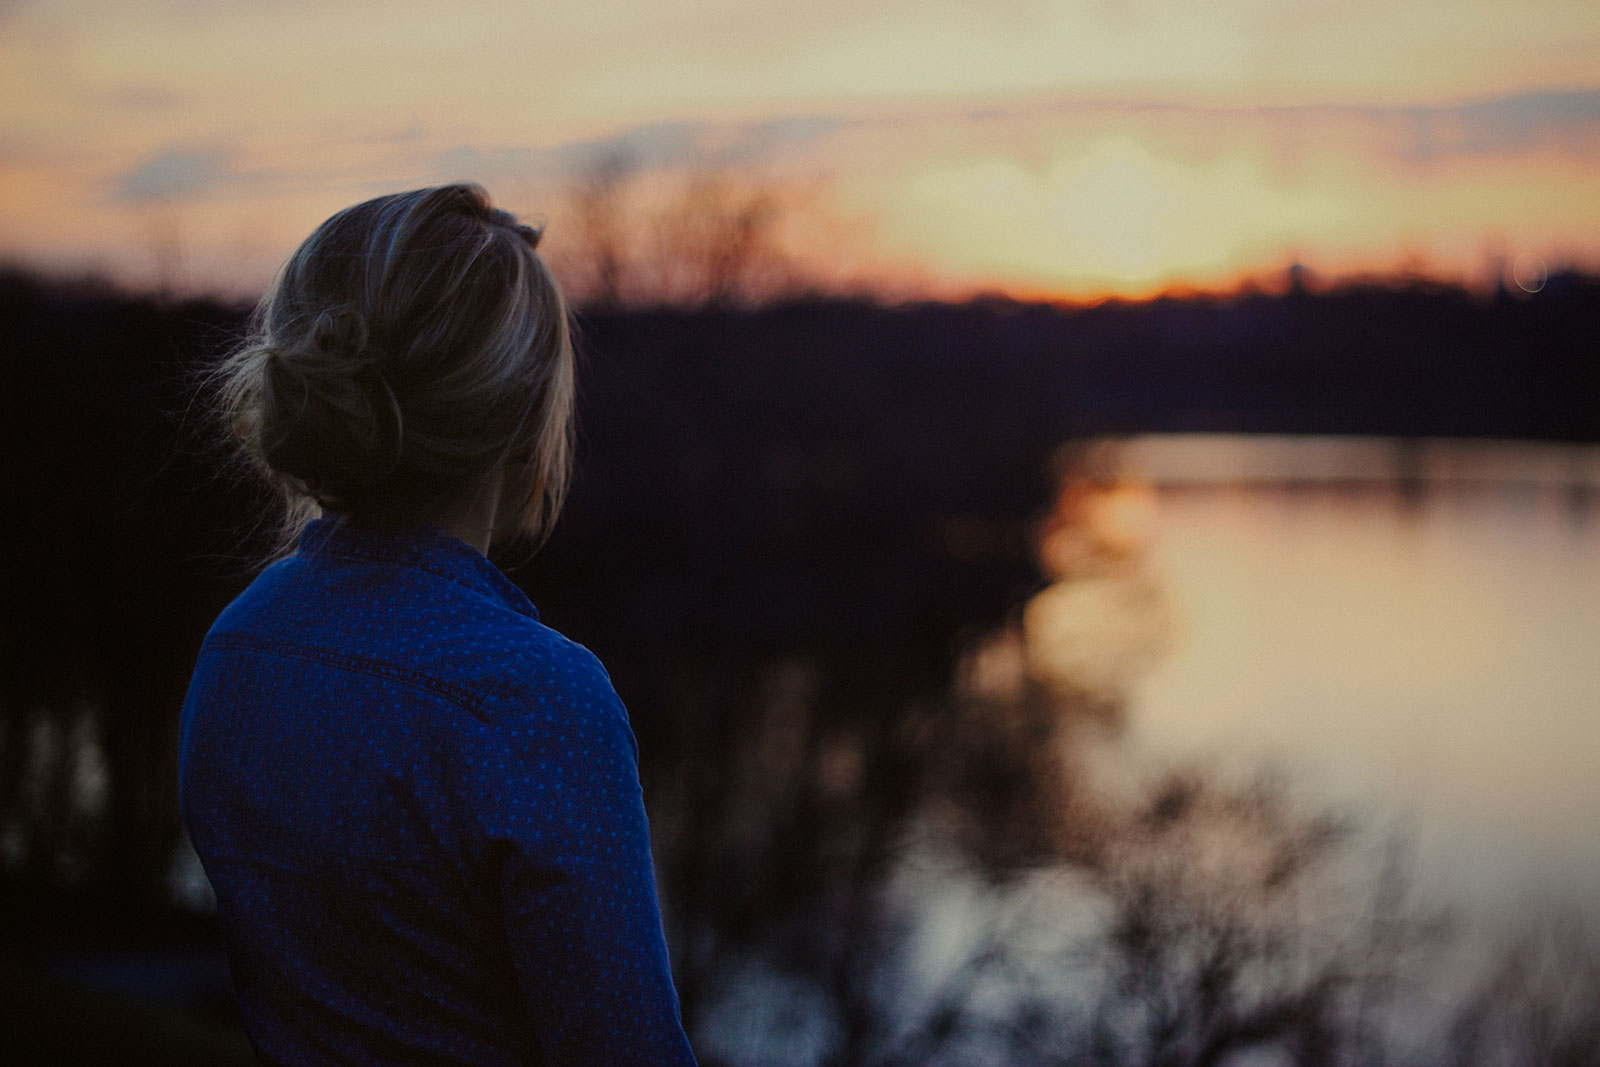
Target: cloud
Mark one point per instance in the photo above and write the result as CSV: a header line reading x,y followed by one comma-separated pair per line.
x,y
659,145
1509,125
175,172
187,173
733,144
1494,126
1491,127
140,98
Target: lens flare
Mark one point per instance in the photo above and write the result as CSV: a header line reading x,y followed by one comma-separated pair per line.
x,y
1529,272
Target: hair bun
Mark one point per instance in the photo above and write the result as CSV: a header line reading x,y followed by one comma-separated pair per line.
x,y
413,345
341,330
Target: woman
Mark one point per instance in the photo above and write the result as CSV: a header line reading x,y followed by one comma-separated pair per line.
x,y
419,807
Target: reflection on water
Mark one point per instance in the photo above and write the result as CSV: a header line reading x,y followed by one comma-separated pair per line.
x,y
1412,623
1104,622
870,871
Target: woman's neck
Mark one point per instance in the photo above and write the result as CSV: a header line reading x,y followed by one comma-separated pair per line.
x,y
470,517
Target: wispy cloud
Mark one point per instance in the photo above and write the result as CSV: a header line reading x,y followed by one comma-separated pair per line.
x,y
1506,125
140,98
658,145
188,172
175,172
1492,126
1500,126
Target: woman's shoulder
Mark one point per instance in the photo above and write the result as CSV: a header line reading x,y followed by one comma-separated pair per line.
x,y
555,695
547,666
467,639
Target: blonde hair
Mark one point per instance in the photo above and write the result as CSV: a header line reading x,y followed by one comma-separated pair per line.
x,y
412,344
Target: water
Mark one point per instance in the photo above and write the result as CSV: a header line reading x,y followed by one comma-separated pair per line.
x,y
1410,629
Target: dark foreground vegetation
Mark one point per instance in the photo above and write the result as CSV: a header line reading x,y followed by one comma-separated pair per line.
x,y
791,529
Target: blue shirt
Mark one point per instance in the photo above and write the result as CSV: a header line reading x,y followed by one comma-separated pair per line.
x,y
420,810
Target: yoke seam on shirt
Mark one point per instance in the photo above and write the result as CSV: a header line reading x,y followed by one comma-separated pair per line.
x,y
377,668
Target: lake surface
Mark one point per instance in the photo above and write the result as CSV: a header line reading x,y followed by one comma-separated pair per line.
x,y
1409,628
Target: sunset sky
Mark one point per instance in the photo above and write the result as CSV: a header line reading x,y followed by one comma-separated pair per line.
x,y
1042,147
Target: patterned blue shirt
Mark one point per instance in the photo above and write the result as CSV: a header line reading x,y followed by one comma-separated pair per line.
x,y
420,810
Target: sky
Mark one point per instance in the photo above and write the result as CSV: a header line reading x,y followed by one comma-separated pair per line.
x,y
1044,148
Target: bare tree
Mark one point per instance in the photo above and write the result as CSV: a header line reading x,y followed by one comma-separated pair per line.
x,y
599,209
816,833
715,245
1539,1004
1239,921
706,239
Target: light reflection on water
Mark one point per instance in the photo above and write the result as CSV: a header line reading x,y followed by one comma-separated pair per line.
x,y
1416,625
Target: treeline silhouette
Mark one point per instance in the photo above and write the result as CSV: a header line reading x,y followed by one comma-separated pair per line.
x,y
789,527
833,472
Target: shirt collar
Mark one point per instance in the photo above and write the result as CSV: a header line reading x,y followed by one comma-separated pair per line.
x,y
412,544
